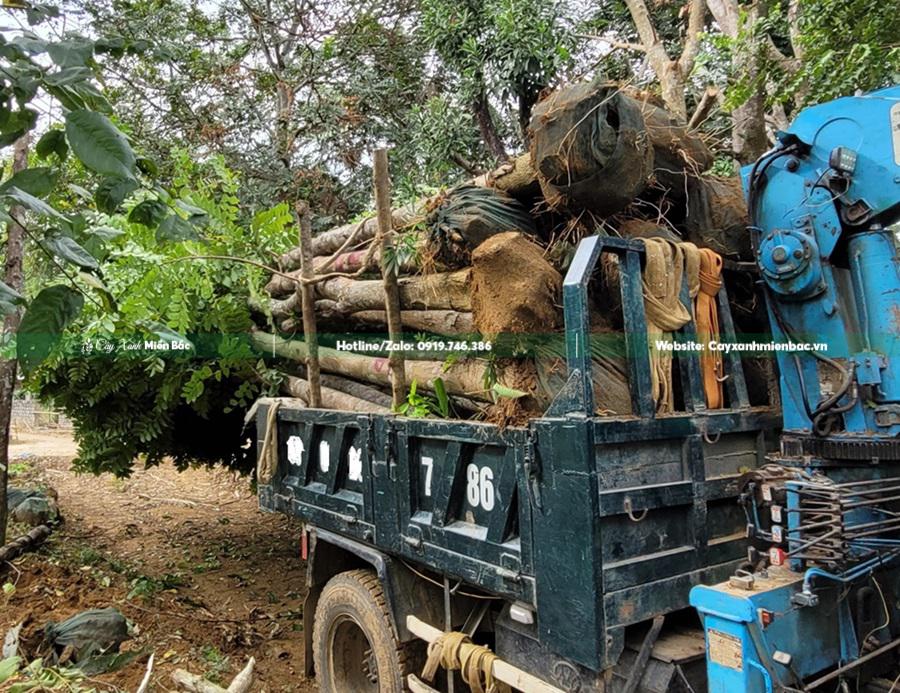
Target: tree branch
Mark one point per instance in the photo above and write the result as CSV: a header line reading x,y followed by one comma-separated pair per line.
x,y
704,108
623,45
696,17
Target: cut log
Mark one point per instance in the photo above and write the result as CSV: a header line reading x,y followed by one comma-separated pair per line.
x,y
517,178
351,387
442,291
331,399
464,377
444,322
354,261
329,242
27,542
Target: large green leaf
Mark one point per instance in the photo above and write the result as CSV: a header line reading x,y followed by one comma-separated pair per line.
x,y
38,181
69,75
73,52
99,144
174,228
10,299
112,192
105,233
70,251
9,667
51,311
52,142
149,213
31,202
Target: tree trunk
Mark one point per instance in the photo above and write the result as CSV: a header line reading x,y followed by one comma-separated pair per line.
x,y
461,378
443,322
382,183
331,399
329,242
492,141
307,300
13,276
748,130
358,390
27,542
516,178
443,291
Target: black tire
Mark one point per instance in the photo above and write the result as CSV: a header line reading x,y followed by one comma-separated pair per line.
x,y
354,647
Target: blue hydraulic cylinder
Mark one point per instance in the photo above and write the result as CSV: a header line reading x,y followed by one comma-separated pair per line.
x,y
876,284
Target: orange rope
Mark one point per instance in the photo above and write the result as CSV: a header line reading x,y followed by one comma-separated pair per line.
x,y
707,317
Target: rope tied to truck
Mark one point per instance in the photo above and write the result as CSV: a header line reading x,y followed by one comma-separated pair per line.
x,y
707,316
456,651
668,265
268,455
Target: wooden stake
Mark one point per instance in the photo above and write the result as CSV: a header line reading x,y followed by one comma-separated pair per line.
x,y
308,300
391,288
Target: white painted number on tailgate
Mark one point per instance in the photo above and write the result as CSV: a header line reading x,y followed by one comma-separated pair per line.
x,y
295,450
428,463
324,455
354,461
480,487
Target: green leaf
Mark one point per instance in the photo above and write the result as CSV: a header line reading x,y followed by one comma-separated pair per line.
x,y
51,311
147,166
30,44
72,52
112,192
105,233
99,144
106,296
174,228
38,181
31,202
191,210
52,142
69,75
10,299
9,667
149,213
69,250
443,401
508,392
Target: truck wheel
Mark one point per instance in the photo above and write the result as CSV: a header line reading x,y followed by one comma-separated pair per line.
x,y
354,647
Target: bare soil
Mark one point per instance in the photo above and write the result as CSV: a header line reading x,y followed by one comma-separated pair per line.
x,y
206,578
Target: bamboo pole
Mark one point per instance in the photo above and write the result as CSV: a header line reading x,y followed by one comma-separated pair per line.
x,y
382,183
308,300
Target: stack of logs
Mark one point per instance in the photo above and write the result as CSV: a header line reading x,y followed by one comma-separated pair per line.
x,y
487,258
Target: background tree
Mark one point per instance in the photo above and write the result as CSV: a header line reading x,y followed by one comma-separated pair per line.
x,y
54,71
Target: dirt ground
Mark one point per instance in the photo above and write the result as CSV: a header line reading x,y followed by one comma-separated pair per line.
x,y
206,578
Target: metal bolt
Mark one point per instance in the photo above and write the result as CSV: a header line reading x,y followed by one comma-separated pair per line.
x,y
798,253
779,254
